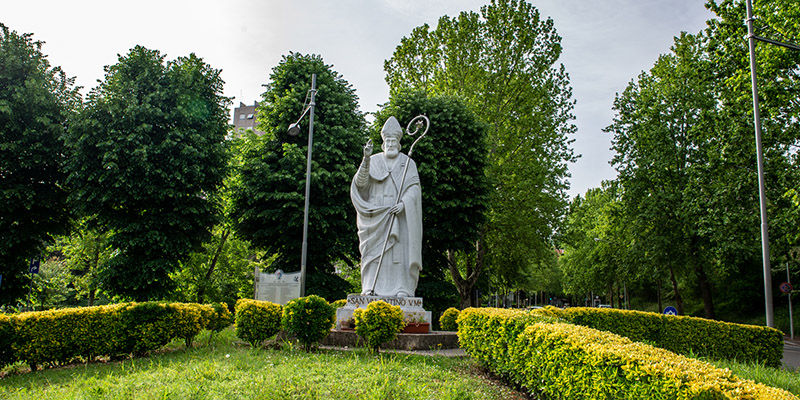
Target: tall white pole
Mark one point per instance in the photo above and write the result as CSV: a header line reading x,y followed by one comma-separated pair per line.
x,y
760,159
304,256
791,318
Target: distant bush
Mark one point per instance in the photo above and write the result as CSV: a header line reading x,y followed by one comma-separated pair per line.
x,y
448,319
257,321
309,318
683,335
379,323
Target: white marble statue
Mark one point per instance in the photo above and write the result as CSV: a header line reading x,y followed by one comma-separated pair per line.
x,y
374,192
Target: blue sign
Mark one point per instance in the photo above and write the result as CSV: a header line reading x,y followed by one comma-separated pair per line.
x,y
670,310
34,268
1,280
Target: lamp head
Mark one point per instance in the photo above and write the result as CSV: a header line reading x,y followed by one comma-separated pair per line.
x,y
294,129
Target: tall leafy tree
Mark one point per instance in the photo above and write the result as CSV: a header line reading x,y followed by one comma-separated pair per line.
x,y
779,90
451,160
148,153
268,200
35,103
503,63
661,137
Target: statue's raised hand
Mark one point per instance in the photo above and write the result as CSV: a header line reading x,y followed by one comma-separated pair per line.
x,y
368,149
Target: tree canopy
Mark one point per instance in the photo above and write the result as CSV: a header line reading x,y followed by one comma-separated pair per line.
x,y
268,200
36,101
148,152
451,160
503,63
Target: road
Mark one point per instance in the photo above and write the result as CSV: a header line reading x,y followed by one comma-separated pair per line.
x,y
791,354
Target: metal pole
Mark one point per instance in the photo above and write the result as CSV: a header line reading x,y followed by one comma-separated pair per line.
x,y
791,319
303,258
760,159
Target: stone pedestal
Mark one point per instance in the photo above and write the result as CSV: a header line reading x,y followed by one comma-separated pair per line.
x,y
411,306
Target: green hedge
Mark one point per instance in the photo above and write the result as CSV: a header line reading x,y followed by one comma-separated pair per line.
x,y
61,336
566,361
257,321
683,335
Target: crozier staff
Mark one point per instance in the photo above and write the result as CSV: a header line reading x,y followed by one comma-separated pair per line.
x,y
387,197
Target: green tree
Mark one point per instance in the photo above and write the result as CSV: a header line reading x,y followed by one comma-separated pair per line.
x,y
451,161
268,200
222,269
736,192
35,103
83,253
661,136
148,154
502,62
592,250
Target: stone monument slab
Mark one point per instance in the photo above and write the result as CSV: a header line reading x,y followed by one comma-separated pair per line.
x,y
411,306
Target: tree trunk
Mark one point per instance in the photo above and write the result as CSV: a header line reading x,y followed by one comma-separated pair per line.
x,y
705,291
201,288
611,294
466,284
678,299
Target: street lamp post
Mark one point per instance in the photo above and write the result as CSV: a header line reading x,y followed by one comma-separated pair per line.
x,y
294,130
751,36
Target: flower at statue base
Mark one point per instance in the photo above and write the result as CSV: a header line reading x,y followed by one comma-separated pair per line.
x,y
309,318
379,323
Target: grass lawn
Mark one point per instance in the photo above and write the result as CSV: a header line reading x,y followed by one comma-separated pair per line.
x,y
217,368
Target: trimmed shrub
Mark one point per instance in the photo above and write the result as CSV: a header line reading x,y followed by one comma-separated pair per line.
x,y
379,323
448,319
257,321
309,318
683,335
61,336
7,356
566,361
189,319
221,319
145,327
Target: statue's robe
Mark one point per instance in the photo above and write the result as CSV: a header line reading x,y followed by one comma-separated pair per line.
x,y
373,198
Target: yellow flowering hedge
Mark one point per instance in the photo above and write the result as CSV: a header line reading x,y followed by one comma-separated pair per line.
x,y
61,336
257,321
379,323
683,335
566,361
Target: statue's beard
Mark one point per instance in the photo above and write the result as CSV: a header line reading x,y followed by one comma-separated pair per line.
x,y
392,153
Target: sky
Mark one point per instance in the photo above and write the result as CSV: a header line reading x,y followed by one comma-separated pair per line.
x,y
607,43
